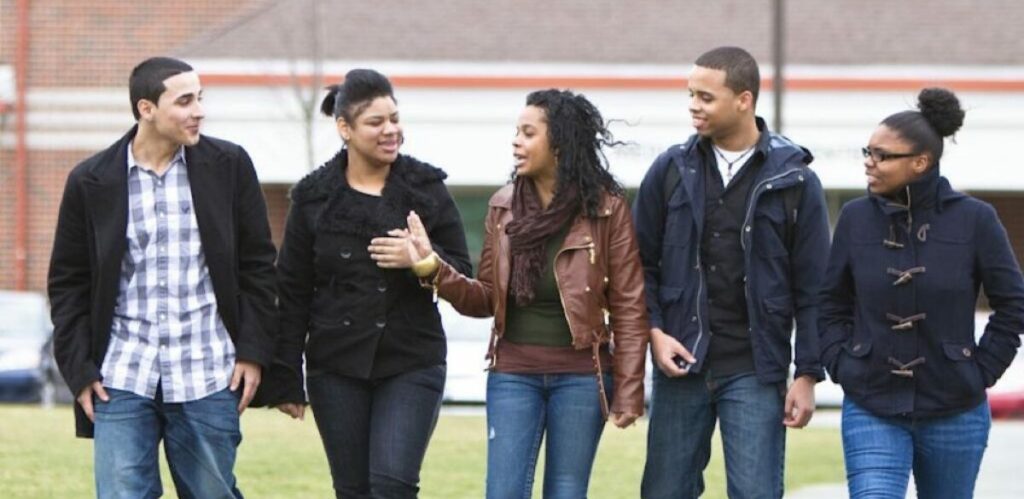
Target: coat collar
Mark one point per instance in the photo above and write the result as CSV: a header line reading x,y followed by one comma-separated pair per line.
x,y
777,151
404,190
932,190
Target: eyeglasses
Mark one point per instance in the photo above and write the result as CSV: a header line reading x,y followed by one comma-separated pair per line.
x,y
879,156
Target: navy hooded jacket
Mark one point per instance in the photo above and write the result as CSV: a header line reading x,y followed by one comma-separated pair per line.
x,y
898,301
782,282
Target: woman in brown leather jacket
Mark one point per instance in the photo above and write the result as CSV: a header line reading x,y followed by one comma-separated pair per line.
x,y
560,272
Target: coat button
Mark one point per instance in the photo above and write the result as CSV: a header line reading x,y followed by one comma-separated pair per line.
x,y
967,352
587,239
693,319
587,289
382,286
856,348
769,186
380,324
747,228
346,322
713,268
345,253
606,280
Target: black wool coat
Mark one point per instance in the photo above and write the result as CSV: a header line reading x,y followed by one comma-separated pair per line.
x,y
90,243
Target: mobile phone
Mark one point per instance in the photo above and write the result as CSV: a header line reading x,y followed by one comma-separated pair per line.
x,y
681,362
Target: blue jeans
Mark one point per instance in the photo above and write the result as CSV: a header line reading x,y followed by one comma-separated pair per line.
x,y
200,440
375,432
521,408
945,453
682,420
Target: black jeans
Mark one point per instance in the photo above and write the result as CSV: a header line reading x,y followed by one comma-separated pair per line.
x,y
376,432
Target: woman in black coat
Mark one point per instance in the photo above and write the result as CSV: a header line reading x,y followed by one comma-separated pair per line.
x,y
371,335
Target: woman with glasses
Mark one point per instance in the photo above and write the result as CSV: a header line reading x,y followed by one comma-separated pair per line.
x,y
897,314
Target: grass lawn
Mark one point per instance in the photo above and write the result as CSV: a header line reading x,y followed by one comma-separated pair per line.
x,y
280,458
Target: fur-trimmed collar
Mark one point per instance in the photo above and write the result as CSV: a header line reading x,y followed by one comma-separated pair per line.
x,y
404,190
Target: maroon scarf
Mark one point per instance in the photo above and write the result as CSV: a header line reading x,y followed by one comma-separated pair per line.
x,y
530,230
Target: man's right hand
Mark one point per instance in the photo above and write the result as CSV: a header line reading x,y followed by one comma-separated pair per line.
x,y
665,349
85,398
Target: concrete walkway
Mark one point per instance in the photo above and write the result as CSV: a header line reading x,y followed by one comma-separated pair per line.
x,y
1000,477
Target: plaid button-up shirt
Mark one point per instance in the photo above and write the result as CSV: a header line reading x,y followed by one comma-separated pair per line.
x,y
166,330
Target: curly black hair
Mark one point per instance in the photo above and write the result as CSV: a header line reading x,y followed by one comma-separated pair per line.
x,y
577,134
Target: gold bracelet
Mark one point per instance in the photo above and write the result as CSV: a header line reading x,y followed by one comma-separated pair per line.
x,y
427,266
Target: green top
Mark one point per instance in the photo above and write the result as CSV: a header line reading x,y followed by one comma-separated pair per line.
x,y
542,322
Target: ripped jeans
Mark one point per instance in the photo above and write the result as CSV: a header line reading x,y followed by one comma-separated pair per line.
x,y
521,410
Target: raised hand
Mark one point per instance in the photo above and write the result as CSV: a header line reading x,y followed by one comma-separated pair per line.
x,y
418,236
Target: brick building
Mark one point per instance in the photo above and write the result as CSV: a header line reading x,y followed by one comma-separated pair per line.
x,y
462,69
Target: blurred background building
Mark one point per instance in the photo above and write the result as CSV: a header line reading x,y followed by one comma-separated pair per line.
x,y
462,69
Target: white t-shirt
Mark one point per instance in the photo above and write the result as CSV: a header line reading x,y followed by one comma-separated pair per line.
x,y
730,162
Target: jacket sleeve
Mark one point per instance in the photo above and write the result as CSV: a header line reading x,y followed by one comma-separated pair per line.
x,y
472,297
649,214
808,260
835,320
1001,278
255,260
295,276
628,314
69,286
447,235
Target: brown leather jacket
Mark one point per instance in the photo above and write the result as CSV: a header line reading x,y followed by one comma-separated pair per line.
x,y
600,280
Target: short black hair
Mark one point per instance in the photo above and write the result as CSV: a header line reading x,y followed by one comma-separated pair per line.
x,y
741,72
939,115
351,97
147,79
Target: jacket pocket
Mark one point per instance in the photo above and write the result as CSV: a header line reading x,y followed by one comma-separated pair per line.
x,y
769,230
965,381
668,295
679,222
778,317
849,371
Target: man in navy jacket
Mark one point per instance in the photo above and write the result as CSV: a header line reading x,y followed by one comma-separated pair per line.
x,y
733,233
162,294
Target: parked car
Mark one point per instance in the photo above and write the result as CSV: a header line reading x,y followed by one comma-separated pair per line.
x,y
28,372
467,376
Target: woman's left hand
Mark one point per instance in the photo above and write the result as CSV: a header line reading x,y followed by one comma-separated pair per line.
x,y
623,419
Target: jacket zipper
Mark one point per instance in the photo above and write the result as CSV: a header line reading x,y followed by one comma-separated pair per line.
x,y
748,223
700,320
750,203
558,284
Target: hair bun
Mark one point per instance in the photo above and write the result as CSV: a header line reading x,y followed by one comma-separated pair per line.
x,y
941,109
327,105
